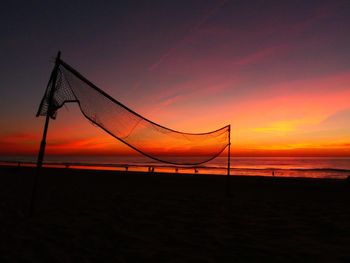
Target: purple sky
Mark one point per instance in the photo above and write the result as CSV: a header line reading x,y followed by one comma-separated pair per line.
x,y
278,71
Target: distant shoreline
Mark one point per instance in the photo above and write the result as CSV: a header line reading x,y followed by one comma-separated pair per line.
x,y
332,168
72,169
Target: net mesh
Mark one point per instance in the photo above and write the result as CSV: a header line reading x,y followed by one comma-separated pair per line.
x,y
148,138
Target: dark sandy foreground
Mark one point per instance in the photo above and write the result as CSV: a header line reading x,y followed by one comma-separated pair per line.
x,y
100,216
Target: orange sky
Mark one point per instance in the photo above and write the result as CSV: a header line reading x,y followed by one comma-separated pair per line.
x,y
279,74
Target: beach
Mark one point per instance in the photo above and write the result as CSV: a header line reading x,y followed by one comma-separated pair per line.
x,y
118,216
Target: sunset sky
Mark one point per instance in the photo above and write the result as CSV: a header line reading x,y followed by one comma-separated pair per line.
x,y
277,71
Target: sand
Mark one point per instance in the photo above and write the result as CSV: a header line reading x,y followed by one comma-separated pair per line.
x,y
102,216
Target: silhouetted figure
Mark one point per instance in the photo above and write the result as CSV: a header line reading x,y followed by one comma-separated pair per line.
x,y
126,168
273,173
176,170
195,171
150,169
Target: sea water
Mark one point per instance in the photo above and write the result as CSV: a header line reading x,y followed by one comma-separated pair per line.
x,y
316,167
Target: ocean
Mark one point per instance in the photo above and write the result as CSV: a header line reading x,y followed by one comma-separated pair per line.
x,y
314,167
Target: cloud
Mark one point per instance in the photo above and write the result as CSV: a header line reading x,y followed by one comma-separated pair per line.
x,y
17,143
211,12
339,119
260,55
318,14
13,137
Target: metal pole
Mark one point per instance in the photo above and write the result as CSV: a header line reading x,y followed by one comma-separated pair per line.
x,y
53,79
228,162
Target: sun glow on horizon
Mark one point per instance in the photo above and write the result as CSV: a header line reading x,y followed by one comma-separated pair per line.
x,y
277,72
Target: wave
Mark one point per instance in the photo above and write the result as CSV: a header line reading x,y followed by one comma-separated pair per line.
x,y
217,168
293,169
143,164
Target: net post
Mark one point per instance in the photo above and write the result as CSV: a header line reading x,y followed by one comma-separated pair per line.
x,y
39,164
228,162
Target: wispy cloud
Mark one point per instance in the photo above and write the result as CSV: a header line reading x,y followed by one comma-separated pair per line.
x,y
260,55
202,21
